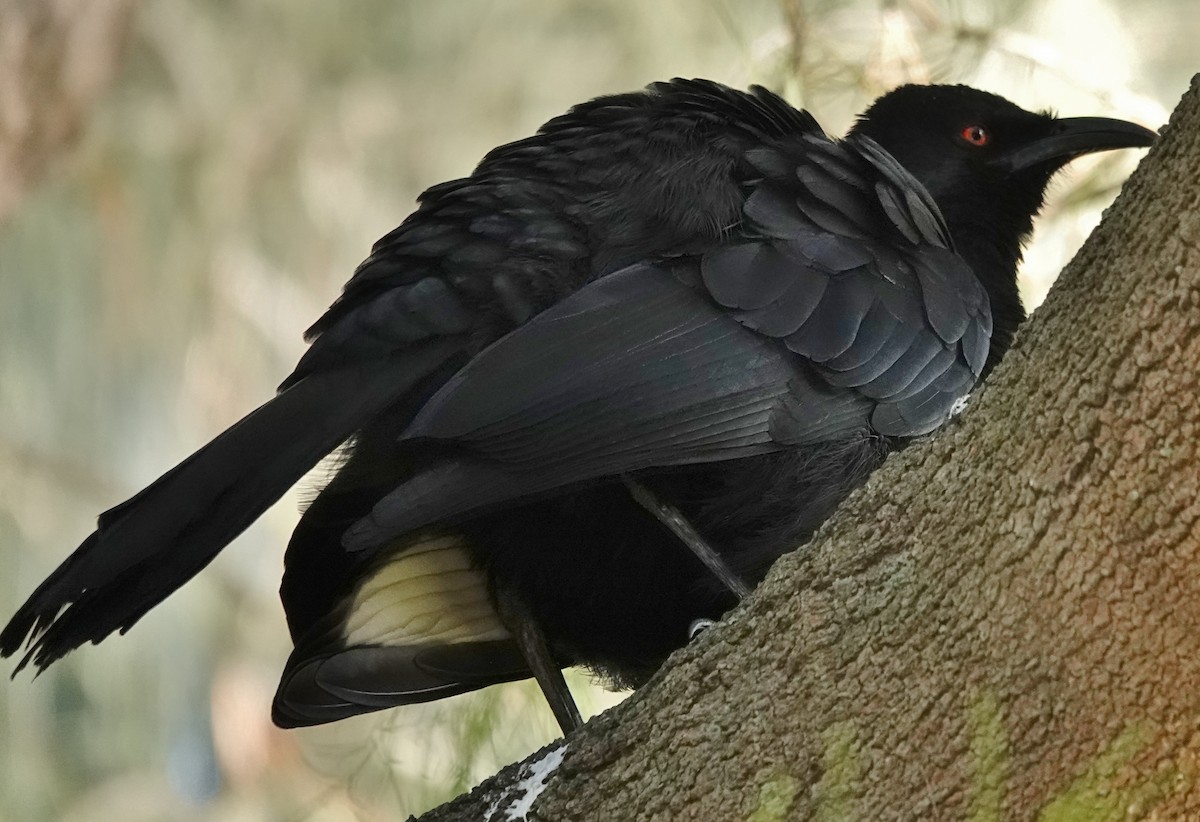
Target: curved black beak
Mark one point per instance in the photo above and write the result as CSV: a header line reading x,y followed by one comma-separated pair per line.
x,y
1073,136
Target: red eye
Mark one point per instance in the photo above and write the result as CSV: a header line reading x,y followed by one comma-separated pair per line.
x,y
976,135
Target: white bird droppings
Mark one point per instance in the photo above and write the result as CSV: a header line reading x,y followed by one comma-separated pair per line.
x,y
532,784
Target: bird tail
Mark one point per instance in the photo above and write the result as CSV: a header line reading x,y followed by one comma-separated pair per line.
x,y
145,548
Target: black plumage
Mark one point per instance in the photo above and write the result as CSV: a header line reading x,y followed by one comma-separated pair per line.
x,y
691,287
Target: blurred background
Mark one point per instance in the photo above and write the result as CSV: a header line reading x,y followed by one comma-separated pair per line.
x,y
185,186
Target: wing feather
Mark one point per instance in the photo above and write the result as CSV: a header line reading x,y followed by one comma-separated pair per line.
x,y
840,306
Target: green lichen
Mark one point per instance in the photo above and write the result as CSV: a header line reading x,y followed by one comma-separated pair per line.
x,y
1095,795
835,795
989,754
775,798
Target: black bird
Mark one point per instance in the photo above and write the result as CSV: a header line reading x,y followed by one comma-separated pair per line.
x,y
683,305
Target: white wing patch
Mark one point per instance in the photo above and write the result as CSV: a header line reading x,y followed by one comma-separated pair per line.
x,y
429,593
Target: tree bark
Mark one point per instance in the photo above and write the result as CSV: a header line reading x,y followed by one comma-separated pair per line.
x,y
1003,624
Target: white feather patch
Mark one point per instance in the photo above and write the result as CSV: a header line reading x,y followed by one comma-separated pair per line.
x,y
428,593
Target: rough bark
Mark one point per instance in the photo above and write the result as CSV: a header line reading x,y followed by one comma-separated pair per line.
x,y
57,57
1003,624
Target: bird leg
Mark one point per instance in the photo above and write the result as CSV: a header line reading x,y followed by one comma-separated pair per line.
x,y
678,524
532,644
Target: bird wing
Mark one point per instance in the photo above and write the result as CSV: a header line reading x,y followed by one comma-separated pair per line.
x,y
636,370
841,310
850,264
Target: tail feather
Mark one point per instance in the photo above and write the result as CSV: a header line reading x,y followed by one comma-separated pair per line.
x,y
365,678
147,547
416,624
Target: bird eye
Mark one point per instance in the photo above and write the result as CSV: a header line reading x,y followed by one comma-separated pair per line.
x,y
976,135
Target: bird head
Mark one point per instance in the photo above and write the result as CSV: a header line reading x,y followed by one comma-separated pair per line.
x,y
987,162
960,142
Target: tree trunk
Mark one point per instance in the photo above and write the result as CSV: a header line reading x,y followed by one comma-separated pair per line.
x,y
1003,624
